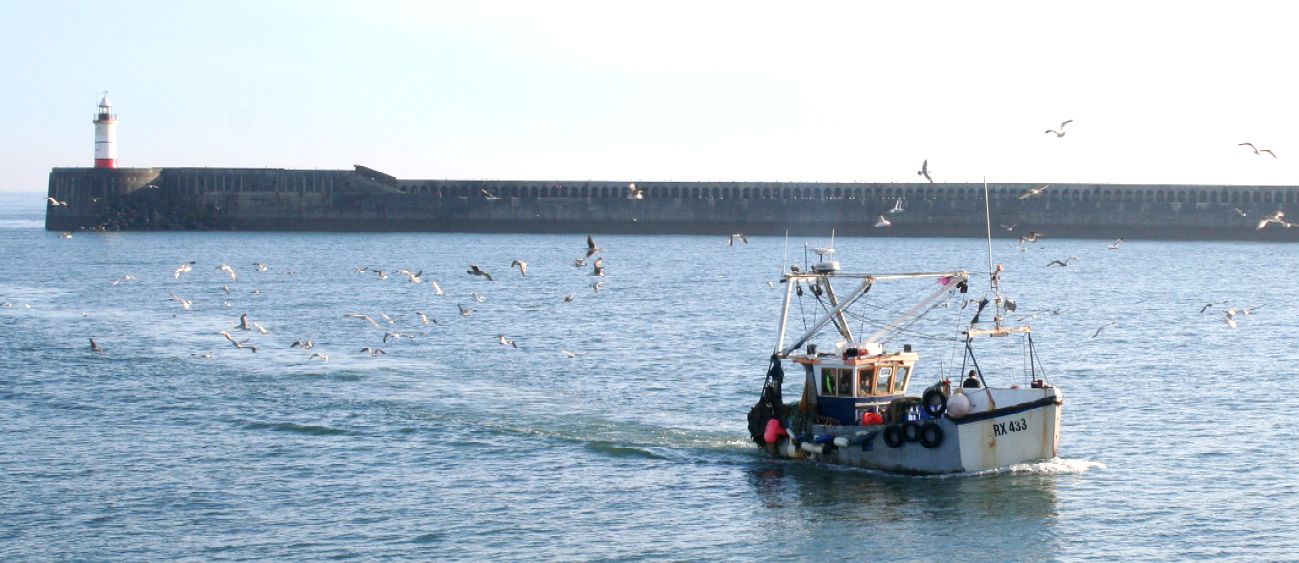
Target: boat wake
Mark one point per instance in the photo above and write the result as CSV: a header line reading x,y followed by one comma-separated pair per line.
x,y
1056,466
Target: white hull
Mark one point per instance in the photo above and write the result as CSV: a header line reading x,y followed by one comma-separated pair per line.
x,y
1023,426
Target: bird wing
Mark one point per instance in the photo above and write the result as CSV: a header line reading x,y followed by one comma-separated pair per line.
x,y
1268,151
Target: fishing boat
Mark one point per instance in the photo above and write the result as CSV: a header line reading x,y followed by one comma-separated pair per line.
x,y
855,408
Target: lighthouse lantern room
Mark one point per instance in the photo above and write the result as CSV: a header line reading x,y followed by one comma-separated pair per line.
x,y
105,135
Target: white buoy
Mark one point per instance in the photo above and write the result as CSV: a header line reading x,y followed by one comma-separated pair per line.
x,y
841,442
958,406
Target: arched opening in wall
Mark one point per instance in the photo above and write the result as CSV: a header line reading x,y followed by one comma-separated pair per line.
x,y
1161,196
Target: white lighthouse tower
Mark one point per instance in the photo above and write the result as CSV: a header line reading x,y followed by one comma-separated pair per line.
x,y
105,135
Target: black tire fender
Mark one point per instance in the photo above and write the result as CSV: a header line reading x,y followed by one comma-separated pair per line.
x,y
934,402
911,431
893,436
931,435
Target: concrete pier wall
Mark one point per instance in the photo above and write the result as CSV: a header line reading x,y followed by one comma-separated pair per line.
x,y
368,200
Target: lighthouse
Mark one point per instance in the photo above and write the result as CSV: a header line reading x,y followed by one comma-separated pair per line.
x,y
105,135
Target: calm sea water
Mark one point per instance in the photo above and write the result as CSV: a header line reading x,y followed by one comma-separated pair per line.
x,y
1178,440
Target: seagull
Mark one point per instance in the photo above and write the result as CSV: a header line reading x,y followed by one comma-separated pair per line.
x,y
304,344
1032,192
597,269
243,323
374,352
1250,145
184,303
1207,305
261,329
597,286
65,234
241,344
423,319
473,270
488,195
55,203
414,277
225,289
635,193
381,274
1238,211
1274,218
465,311
259,266
1010,227
1103,327
1231,318
94,346
881,222
396,336
521,265
1032,236
182,269
569,298
568,354
591,248
506,341
363,317
478,297
231,271
1064,262
579,263
126,278
437,289
1060,132
897,207
924,171
319,356
730,241
1115,245
386,318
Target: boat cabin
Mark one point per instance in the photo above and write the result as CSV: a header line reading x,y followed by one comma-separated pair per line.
x,y
858,381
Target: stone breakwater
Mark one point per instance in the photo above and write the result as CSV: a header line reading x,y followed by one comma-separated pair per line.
x,y
363,199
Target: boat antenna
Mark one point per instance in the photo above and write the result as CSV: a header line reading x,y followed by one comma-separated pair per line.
x,y
784,262
994,275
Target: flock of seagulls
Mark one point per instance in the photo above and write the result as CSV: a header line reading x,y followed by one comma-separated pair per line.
x,y
391,329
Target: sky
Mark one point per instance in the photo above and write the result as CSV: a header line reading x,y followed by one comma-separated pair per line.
x,y
1159,92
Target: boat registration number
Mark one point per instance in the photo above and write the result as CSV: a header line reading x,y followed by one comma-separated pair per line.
x,y
1003,428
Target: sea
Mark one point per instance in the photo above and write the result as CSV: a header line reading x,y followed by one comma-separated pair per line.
x,y
173,443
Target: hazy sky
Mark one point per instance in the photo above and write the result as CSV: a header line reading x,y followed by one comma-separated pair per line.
x,y
774,91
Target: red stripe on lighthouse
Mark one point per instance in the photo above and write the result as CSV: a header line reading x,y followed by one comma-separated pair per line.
x,y
105,163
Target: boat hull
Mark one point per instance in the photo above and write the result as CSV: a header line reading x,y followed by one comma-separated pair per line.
x,y
1004,427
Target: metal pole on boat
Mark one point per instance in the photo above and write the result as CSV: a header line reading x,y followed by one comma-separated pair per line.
x,y
784,313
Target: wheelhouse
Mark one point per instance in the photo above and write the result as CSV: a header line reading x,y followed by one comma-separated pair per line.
x,y
847,386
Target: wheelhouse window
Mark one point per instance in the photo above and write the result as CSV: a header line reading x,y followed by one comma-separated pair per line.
x,y
864,381
883,380
836,381
900,379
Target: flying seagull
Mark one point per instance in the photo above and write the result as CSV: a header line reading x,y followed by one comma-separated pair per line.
x,y
1033,192
597,269
94,346
521,265
1250,145
1060,132
506,341
363,317
569,298
730,241
1274,218
321,357
488,195
1115,245
423,319
304,344
1032,236
474,271
635,193
591,248
1103,327
1065,262
182,269
259,266
230,271
881,222
897,207
55,203
1207,305
373,351
437,289
465,311
924,171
